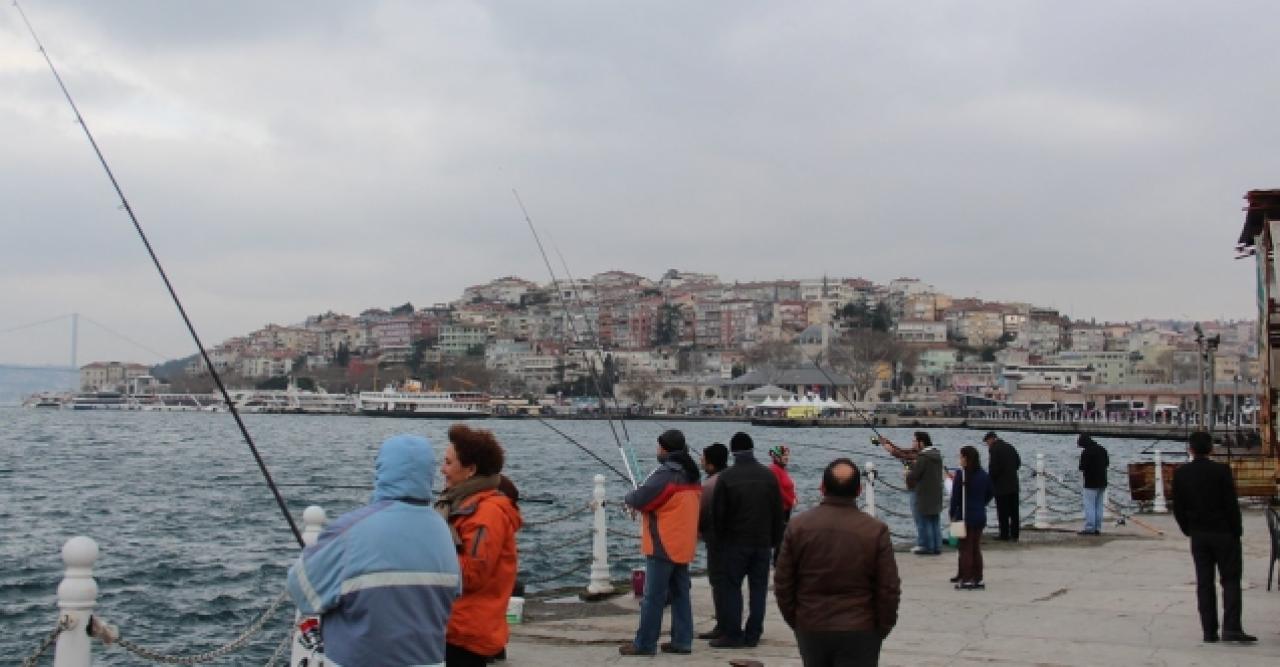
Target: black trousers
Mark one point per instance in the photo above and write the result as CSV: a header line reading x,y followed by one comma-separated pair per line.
x,y
1221,552
1007,516
839,649
716,577
752,564
456,656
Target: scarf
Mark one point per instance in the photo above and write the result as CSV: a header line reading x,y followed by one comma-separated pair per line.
x,y
452,497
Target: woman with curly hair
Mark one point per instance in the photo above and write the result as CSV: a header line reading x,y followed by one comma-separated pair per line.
x,y
484,522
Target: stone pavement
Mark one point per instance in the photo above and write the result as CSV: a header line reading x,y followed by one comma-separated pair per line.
x,y
1125,598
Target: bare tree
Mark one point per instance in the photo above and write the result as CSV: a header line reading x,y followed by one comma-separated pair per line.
x,y
864,354
771,353
641,386
676,395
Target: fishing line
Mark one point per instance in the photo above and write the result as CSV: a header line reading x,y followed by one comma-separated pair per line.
x,y
555,282
231,406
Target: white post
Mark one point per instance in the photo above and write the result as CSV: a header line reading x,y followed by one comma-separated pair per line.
x,y
313,519
77,595
1106,506
1159,506
599,583
871,488
1042,498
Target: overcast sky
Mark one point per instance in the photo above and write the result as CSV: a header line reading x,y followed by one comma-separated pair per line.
x,y
292,158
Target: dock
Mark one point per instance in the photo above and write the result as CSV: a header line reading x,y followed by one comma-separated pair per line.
x,y
1124,598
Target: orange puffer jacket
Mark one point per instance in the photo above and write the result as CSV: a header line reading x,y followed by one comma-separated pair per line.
x,y
670,504
486,523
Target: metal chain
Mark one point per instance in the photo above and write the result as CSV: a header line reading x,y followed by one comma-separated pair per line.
x,y
285,644
563,517
208,656
63,624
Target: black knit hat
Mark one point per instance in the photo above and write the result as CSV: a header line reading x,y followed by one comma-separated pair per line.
x,y
672,441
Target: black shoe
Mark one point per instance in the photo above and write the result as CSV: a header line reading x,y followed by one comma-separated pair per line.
x,y
1238,636
725,642
965,586
668,647
1211,638
751,643
978,585
714,634
955,579
631,649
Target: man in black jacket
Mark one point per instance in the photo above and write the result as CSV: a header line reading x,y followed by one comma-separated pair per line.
x,y
1093,468
1207,511
1002,465
746,520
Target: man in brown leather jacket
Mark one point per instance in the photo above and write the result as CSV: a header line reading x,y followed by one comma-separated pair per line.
x,y
836,581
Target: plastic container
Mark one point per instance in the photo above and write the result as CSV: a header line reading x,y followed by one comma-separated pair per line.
x,y
515,610
637,582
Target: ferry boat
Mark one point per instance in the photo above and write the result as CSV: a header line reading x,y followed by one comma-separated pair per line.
x,y
102,400
411,401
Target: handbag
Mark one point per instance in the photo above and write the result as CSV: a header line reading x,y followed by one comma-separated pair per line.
x,y
957,528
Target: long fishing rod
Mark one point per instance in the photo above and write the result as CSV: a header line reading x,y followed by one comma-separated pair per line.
x,y
555,282
244,431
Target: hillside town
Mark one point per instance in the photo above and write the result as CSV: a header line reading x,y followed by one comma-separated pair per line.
x,y
691,342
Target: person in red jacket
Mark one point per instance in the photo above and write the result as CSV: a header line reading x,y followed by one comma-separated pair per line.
x,y
781,456
484,522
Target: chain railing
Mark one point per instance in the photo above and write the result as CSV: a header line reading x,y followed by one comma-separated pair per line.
x,y
48,641
109,635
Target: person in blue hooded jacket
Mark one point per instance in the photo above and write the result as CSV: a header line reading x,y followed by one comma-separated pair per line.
x,y
383,578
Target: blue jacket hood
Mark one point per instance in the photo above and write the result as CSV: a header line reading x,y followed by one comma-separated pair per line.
x,y
404,469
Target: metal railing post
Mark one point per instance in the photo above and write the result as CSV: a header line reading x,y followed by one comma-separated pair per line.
x,y
313,519
77,595
1159,505
599,583
1042,497
871,488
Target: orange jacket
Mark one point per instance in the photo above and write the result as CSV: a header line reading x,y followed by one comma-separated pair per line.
x,y
670,505
486,523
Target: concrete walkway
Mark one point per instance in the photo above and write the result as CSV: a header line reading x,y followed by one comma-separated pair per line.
x,y
1126,598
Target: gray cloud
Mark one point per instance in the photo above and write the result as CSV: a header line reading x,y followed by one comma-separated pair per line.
x,y
291,158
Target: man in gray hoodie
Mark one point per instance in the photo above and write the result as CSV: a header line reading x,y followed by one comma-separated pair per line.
x,y
925,478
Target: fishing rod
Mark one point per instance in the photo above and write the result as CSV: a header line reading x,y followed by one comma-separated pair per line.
x,y
627,461
124,202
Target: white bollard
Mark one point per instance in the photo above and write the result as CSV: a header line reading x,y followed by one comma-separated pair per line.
x,y
313,519
599,583
871,488
1159,507
77,595
1042,497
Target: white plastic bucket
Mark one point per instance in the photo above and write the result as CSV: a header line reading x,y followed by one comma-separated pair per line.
x,y
515,610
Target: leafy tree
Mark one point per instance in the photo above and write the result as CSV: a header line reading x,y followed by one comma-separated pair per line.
x,y
418,354
737,370
275,382
306,384
667,330
343,355
405,309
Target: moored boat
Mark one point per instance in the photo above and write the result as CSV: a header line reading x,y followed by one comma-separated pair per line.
x,y
410,402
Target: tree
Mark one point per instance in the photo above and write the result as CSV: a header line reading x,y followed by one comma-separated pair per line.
x,y
404,309
667,329
276,382
641,386
676,395
416,357
863,354
343,356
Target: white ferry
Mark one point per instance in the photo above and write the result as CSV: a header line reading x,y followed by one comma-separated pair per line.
x,y
411,401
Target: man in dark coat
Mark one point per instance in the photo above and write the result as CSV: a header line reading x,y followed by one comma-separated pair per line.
x,y
1093,468
746,521
1207,511
837,582
1002,466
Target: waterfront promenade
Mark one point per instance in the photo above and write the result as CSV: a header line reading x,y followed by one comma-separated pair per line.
x,y
1126,598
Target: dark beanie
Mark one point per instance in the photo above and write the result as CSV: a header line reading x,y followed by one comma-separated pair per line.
x,y
672,440
741,442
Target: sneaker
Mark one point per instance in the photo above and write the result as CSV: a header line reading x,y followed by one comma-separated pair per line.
x,y
668,647
1238,636
631,649
918,550
978,585
964,586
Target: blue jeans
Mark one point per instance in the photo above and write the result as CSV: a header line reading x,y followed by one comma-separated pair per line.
x,y
1093,508
919,519
751,563
930,532
660,577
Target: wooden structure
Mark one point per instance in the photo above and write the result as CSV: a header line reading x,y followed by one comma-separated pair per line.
x,y
1260,238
